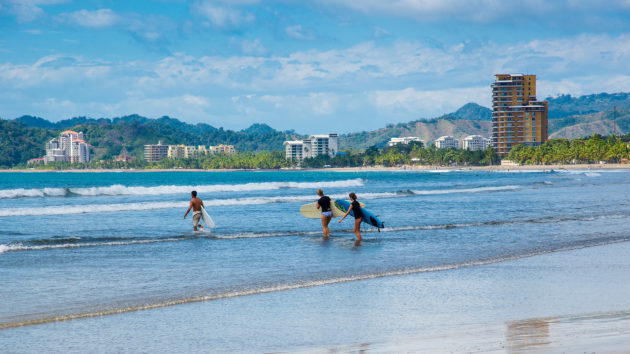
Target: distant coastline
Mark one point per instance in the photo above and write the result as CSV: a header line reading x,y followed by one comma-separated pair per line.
x,y
357,169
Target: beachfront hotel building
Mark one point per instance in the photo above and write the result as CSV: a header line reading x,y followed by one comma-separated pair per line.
x,y
182,152
517,117
404,140
315,145
446,142
154,153
475,143
69,146
221,149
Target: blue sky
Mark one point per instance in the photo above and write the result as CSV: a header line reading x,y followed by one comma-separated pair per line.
x,y
314,66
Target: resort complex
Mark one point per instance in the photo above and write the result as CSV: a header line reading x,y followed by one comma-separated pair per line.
x,y
69,146
157,152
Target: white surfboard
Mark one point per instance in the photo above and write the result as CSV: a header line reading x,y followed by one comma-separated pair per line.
x,y
310,211
206,218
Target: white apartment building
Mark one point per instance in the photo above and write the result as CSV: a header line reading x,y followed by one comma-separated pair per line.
x,y
159,151
315,145
70,146
404,140
222,149
475,143
294,150
446,142
182,152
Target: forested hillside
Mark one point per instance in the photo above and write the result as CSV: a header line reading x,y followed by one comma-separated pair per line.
x,y
25,137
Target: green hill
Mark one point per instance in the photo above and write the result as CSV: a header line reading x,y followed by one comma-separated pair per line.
x,y
567,105
25,137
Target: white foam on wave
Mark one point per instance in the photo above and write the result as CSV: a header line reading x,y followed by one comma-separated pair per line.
x,y
118,189
104,208
21,247
37,192
465,190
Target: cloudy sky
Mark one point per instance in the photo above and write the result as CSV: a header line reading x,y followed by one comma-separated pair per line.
x,y
316,66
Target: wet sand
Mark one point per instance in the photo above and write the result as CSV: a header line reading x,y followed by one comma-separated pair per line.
x,y
569,301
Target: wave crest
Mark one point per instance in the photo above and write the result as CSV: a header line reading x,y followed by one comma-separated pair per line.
x,y
119,189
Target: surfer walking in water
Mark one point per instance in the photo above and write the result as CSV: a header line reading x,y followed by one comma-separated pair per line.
x,y
324,204
195,205
358,215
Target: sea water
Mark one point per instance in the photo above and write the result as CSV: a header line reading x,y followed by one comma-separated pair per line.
x,y
116,246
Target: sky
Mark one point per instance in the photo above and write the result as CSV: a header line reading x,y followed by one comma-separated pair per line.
x,y
315,66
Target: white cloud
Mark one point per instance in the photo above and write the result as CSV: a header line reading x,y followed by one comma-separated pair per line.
x,y
92,19
254,47
297,32
484,11
396,82
431,102
222,16
27,10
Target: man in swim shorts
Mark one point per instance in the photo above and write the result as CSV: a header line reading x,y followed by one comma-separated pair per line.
x,y
195,205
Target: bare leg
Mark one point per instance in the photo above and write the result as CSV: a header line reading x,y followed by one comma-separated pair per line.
x,y
357,229
325,222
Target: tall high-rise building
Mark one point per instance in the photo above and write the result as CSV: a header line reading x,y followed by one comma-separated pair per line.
x,y
517,117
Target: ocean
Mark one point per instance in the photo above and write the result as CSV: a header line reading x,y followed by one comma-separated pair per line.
x,y
110,252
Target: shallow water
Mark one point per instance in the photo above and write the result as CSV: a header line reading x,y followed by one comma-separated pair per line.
x,y
74,245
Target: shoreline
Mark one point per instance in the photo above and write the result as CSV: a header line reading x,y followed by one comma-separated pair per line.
x,y
353,169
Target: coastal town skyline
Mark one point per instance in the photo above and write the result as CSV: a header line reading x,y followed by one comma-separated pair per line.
x,y
297,66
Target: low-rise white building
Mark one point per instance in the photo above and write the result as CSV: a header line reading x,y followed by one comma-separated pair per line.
x,y
222,149
475,143
404,140
315,145
446,142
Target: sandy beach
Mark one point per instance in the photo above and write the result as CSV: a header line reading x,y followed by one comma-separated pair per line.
x,y
570,301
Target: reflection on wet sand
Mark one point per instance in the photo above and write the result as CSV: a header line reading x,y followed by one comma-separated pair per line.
x,y
527,334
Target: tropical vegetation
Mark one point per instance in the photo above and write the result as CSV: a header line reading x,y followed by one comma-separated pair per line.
x,y
596,149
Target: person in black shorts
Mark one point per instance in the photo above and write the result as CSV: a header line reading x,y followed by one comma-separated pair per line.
x,y
358,215
324,204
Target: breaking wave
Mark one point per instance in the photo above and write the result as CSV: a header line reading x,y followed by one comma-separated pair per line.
x,y
465,190
104,208
118,189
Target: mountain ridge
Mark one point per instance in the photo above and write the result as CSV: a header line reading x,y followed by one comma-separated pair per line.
x,y
108,135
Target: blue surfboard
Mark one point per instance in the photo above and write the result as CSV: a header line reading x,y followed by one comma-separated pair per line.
x,y
368,217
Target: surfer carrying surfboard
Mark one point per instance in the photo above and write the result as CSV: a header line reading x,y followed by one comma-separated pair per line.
x,y
355,207
195,204
324,204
